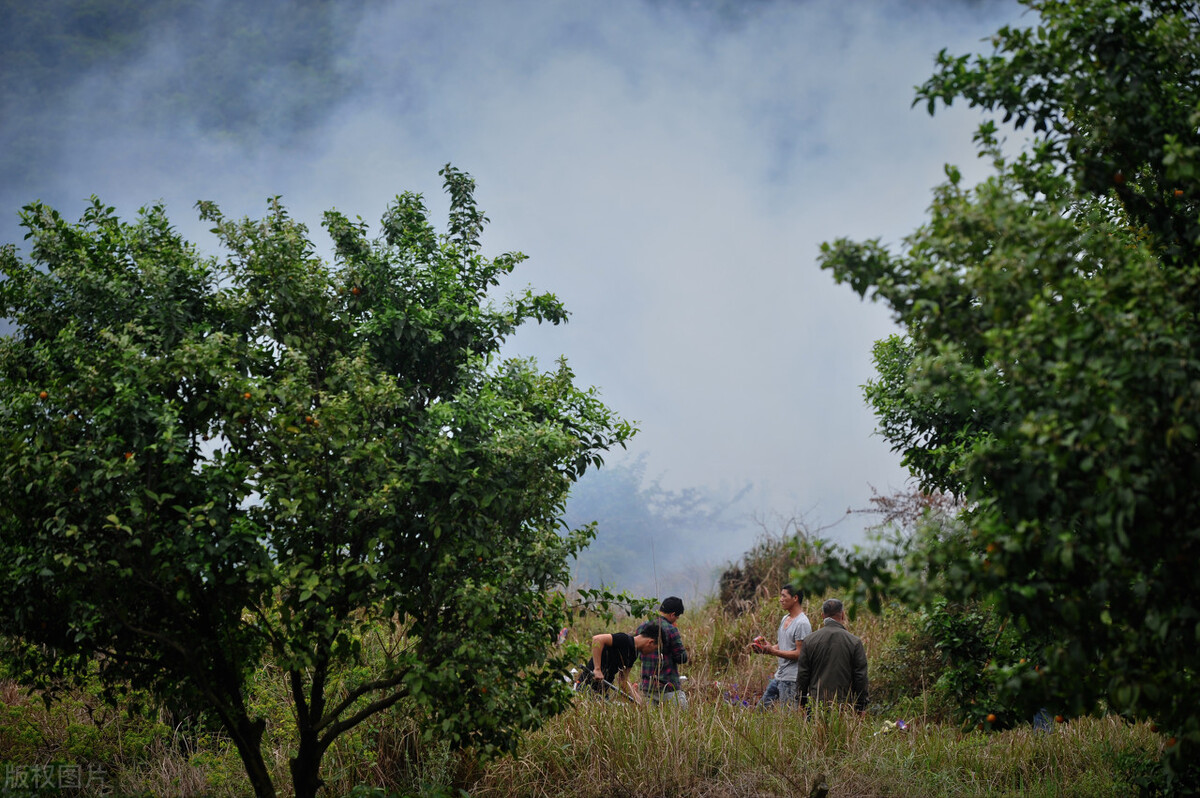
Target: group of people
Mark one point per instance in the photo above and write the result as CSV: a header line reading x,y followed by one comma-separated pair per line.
x,y
657,643
829,664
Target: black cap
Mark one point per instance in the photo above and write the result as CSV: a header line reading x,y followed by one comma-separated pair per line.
x,y
672,604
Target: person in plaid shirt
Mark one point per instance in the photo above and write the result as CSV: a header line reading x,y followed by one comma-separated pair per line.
x,y
660,669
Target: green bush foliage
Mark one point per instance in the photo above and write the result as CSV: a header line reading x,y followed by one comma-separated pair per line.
x,y
214,464
1048,370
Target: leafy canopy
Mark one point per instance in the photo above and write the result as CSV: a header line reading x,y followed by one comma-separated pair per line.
x,y
1049,373
207,461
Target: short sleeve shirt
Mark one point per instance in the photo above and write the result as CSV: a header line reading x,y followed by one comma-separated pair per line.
x,y
620,655
792,632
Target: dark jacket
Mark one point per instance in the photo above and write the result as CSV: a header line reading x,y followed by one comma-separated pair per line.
x,y
833,666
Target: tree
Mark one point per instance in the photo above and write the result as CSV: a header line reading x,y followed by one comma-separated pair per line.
x,y
204,462
1050,373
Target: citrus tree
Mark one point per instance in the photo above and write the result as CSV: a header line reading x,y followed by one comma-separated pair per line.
x,y
1049,373
208,460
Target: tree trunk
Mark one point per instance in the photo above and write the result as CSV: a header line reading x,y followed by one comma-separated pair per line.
x,y
306,766
247,736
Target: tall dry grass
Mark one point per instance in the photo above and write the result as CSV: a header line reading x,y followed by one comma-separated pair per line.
x,y
718,746
723,749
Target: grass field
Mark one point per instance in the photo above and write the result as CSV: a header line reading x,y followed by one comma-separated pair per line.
x,y
718,746
721,749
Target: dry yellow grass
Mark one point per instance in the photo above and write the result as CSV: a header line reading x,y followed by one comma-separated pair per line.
x,y
718,749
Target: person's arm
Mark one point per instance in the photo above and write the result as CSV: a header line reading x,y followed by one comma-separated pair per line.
x,y
794,654
803,674
859,679
624,683
599,643
678,652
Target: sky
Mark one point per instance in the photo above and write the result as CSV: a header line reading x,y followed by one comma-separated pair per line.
x,y
670,167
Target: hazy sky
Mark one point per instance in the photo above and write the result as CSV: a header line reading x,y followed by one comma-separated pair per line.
x,y
670,166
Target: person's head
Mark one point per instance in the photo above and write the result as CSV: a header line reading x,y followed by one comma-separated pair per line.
x,y
646,640
832,608
671,608
790,596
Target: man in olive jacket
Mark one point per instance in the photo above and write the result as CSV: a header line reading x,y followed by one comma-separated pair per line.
x,y
833,662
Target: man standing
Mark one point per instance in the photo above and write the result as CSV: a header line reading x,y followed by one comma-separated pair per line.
x,y
660,669
793,629
833,662
613,656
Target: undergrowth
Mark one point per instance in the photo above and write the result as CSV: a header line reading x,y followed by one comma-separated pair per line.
x,y
720,745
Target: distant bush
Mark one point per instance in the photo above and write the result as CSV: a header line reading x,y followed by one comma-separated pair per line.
x,y
766,567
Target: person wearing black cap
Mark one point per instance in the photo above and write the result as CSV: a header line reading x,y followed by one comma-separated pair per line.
x,y
660,669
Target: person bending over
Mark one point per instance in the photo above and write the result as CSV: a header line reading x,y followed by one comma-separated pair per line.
x,y
614,654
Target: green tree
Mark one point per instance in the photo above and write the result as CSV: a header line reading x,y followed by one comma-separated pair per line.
x,y
1050,371
207,461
